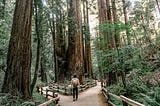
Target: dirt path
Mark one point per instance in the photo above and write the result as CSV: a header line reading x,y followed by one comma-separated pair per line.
x,y
91,97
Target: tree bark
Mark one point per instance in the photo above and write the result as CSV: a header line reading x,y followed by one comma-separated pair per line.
x,y
53,31
103,16
75,49
36,3
126,21
86,35
43,70
18,74
60,46
158,6
115,37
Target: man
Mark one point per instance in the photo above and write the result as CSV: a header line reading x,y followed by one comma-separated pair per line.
x,y
75,83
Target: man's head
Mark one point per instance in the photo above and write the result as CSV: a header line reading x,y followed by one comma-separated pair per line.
x,y
74,76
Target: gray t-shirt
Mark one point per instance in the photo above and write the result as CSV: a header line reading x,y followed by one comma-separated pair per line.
x,y
75,82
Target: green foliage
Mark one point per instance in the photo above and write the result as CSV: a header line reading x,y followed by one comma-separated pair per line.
x,y
28,103
140,92
9,100
5,29
147,100
40,84
136,84
115,28
38,97
116,89
116,102
137,90
157,94
1,80
118,59
142,71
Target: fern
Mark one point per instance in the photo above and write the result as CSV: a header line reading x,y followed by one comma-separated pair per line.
x,y
27,103
150,101
157,95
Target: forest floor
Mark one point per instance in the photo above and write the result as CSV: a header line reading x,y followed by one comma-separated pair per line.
x,y
91,97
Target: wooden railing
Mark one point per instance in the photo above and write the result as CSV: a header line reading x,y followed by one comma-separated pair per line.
x,y
50,94
67,90
125,101
49,101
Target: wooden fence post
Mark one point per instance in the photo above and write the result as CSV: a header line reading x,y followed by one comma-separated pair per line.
x,y
123,102
46,93
65,90
53,94
41,91
58,89
37,89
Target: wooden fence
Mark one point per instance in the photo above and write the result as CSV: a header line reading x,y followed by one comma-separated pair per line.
x,y
67,90
50,94
125,101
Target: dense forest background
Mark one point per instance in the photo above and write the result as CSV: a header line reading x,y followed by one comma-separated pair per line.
x,y
114,41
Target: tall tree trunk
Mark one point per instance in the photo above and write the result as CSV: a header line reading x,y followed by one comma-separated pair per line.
x,y
111,18
101,20
147,37
84,37
86,32
36,3
126,21
60,48
75,50
158,6
52,27
115,36
43,71
114,39
88,46
102,17
18,74
53,31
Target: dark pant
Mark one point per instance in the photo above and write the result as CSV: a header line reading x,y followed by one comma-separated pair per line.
x,y
75,92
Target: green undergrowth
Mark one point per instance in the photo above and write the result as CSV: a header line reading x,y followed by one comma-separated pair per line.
x,y
39,99
137,90
9,100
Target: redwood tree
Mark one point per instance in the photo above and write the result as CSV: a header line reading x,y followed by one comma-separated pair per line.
x,y
86,35
126,21
75,49
17,77
38,23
